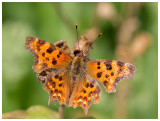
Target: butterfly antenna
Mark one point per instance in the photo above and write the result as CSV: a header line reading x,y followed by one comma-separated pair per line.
x,y
100,34
77,35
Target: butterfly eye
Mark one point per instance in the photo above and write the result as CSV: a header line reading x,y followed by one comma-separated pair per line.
x,y
43,73
76,52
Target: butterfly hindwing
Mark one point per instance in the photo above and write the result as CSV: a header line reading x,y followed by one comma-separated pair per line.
x,y
57,85
46,55
82,91
109,72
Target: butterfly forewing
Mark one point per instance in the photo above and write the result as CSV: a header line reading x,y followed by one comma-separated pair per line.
x,y
109,72
46,55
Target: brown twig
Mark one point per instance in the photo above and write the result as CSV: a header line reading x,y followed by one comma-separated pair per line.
x,y
61,111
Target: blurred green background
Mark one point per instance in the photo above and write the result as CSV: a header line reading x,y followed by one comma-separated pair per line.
x,y
56,21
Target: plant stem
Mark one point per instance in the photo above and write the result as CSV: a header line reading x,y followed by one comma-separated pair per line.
x,y
61,111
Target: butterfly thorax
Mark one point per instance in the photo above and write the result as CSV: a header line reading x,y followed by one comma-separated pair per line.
x,y
77,65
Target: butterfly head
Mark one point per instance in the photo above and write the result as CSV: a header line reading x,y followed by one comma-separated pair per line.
x,y
78,53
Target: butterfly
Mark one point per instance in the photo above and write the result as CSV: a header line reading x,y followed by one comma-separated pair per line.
x,y
69,76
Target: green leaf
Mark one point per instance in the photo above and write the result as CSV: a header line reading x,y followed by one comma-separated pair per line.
x,y
34,112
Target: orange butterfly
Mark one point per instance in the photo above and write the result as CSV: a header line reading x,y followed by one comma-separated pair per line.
x,y
70,77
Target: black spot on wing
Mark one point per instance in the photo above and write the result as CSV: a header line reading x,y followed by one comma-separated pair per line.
x,y
41,42
56,90
54,61
105,83
99,74
50,49
85,98
91,85
98,63
84,91
56,76
60,52
98,67
108,65
60,85
51,92
87,85
43,54
112,73
53,83
58,56
106,76
60,78
119,63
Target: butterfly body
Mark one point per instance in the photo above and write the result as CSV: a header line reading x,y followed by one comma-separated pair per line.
x,y
70,77
77,65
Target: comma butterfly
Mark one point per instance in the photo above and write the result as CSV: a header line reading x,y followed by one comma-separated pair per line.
x,y
69,76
